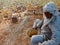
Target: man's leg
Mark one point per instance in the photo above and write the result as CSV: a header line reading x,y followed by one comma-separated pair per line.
x,y
51,42
36,39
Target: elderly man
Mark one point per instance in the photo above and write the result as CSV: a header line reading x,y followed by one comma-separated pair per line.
x,y
51,23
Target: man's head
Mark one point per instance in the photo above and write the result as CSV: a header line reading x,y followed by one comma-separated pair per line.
x,y
50,10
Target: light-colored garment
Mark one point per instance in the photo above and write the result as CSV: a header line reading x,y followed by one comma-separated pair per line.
x,y
37,23
53,24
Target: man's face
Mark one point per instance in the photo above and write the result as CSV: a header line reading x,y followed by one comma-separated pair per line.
x,y
48,15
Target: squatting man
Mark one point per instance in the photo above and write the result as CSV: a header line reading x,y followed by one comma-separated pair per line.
x,y
49,26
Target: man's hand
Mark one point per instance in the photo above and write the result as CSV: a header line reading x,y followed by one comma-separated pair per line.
x,y
32,32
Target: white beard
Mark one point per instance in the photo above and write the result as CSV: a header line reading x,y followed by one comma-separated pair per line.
x,y
46,22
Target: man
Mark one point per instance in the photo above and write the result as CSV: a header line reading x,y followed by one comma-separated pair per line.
x,y
51,23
